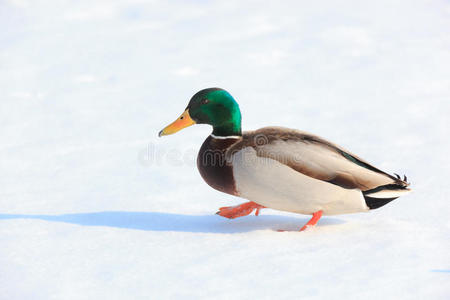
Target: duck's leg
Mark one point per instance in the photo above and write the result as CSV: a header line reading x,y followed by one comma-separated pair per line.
x,y
316,216
244,209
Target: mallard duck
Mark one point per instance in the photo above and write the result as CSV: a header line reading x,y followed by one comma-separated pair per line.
x,y
280,168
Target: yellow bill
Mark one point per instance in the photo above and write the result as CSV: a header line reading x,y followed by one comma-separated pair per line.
x,y
182,122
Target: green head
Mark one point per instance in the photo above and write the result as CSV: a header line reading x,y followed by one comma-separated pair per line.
x,y
212,106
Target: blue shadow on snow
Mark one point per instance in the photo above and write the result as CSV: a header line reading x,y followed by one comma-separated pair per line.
x,y
157,221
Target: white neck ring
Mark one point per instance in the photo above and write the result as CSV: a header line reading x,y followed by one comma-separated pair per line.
x,y
225,137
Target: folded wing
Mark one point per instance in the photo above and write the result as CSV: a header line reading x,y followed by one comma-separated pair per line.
x,y
319,159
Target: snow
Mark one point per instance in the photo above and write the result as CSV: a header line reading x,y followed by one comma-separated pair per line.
x,y
93,205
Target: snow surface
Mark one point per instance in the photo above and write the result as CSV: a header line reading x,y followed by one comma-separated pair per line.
x,y
93,205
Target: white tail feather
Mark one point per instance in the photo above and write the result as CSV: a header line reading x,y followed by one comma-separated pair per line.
x,y
388,193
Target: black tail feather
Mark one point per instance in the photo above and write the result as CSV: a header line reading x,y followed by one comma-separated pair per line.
x,y
374,203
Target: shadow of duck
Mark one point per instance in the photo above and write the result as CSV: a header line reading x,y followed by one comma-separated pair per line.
x,y
158,221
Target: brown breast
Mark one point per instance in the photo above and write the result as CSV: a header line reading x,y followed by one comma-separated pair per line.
x,y
213,166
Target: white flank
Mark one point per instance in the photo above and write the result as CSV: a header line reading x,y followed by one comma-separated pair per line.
x,y
273,184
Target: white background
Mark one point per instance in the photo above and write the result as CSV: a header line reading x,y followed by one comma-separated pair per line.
x,y
93,205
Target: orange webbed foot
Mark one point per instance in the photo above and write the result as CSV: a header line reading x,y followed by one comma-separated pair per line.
x,y
311,223
244,209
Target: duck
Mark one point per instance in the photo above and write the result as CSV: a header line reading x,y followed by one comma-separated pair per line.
x,y
281,168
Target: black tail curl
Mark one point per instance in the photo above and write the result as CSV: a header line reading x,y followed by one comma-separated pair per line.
x,y
376,202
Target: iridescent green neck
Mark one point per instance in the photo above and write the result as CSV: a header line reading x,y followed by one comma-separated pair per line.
x,y
227,120
233,127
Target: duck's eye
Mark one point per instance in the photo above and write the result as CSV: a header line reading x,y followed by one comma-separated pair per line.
x,y
205,101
